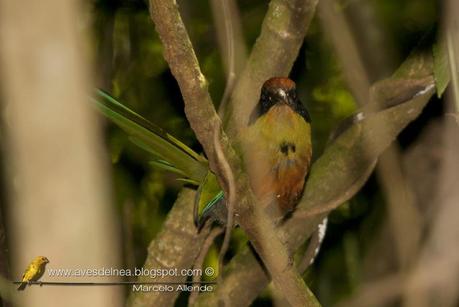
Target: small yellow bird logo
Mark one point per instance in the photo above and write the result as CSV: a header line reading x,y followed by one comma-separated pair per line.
x,y
34,271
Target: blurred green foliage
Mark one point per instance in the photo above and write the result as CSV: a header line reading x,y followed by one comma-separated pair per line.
x,y
130,65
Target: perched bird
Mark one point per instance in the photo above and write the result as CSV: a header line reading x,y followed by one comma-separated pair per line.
x,y
277,146
277,143
34,271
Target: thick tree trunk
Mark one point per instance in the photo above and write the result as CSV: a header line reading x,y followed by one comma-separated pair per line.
x,y
59,204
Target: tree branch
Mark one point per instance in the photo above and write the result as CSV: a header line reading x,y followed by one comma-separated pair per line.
x,y
171,249
230,42
229,34
204,121
285,46
273,54
404,216
335,177
179,53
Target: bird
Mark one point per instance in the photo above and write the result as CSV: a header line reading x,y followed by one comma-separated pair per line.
x,y
34,271
277,142
277,146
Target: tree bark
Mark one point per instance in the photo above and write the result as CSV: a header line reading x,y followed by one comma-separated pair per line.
x,y
59,204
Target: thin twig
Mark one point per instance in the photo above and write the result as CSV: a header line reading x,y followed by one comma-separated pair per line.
x,y
404,217
227,173
231,54
231,43
325,208
214,233
337,28
435,276
313,247
273,54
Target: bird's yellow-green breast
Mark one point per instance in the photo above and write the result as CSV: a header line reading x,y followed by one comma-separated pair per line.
x,y
278,146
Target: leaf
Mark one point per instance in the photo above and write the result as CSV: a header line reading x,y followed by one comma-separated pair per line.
x,y
441,68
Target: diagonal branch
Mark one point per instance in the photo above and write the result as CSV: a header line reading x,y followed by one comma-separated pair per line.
x,y
179,53
278,43
335,177
231,44
204,121
273,54
404,216
178,231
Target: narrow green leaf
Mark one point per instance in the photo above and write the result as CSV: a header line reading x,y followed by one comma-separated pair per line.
x,y
441,68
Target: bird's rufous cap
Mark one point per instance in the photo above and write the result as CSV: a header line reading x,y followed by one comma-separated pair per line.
x,y
279,82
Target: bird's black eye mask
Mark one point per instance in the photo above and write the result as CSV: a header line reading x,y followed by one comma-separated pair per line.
x,y
269,98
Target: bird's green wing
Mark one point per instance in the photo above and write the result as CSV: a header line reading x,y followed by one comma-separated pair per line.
x,y
208,197
169,153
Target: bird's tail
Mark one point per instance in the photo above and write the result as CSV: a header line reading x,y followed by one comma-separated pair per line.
x,y
169,153
22,286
